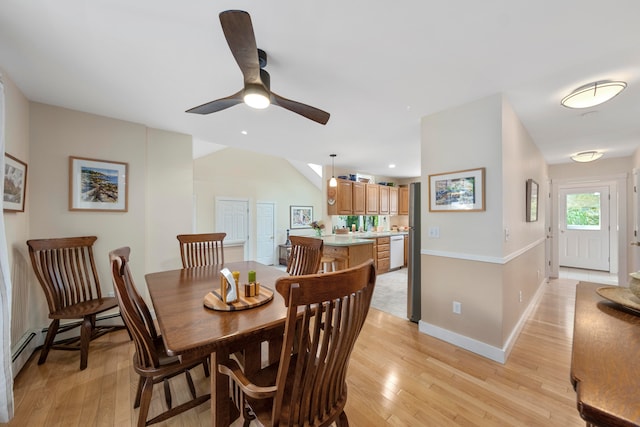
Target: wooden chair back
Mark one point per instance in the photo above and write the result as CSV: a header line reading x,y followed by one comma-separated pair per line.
x,y
198,250
134,310
306,253
66,270
324,317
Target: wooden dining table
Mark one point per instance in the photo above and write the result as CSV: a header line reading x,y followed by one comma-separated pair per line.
x,y
191,330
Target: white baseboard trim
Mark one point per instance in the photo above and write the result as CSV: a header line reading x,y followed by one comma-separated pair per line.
x,y
29,342
491,352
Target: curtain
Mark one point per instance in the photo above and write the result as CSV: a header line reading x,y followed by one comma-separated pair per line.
x,y
6,377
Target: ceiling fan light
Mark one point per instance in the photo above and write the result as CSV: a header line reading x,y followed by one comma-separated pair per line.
x,y
586,156
255,96
593,94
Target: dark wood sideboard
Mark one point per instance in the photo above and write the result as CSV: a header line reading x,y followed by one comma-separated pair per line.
x,y
605,360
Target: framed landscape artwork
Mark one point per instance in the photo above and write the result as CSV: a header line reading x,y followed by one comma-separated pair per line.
x,y
301,216
461,191
15,184
97,185
532,201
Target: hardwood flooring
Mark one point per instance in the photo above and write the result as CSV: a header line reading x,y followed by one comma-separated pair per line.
x,y
397,377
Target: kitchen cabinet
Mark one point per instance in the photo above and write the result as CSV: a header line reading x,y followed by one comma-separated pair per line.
x,y
393,200
381,248
359,197
348,252
383,196
403,201
373,192
340,198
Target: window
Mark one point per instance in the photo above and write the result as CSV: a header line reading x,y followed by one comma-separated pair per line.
x,y
583,211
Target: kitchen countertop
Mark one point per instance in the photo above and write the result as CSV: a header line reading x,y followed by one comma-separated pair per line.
x,y
358,238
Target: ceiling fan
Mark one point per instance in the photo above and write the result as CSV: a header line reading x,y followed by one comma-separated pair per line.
x,y
237,28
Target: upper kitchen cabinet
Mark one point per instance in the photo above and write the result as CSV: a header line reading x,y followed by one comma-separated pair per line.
x,y
383,194
393,200
373,192
359,198
340,198
403,200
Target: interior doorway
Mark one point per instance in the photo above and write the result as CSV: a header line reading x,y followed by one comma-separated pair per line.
x,y
265,232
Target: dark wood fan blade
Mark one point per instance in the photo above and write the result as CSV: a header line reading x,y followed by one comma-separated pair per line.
x,y
304,110
238,30
218,104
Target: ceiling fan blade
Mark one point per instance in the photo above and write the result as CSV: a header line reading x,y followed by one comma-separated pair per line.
x,y
218,104
304,110
238,30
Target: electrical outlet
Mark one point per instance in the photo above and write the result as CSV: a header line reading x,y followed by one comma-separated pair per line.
x,y
457,307
434,232
507,234
520,296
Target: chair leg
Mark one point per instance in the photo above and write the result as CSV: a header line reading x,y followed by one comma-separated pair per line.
x,y
138,393
167,392
205,366
85,337
147,390
192,387
48,342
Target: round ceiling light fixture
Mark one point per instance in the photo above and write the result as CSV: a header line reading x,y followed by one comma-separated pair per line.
x,y
586,156
593,94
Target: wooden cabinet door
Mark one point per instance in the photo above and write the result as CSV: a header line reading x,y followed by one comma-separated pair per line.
x,y
341,197
393,200
403,201
358,198
372,199
384,200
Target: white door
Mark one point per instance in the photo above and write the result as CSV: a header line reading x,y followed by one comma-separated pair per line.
x,y
265,233
232,217
635,241
583,222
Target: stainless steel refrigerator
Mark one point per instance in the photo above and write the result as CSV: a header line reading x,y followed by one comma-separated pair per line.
x,y
413,262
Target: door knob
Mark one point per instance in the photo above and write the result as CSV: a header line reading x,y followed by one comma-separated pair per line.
x,y
635,243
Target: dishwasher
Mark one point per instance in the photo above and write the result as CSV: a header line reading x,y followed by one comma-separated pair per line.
x,y
396,252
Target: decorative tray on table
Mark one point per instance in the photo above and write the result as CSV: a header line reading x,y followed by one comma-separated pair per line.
x,y
213,300
621,295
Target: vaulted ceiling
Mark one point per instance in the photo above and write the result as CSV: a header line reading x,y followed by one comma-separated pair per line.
x,y
377,67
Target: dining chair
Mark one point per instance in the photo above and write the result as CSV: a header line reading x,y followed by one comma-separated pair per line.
x,y
198,250
306,253
325,313
150,361
67,273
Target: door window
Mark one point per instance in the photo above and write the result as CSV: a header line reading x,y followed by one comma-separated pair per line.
x,y
583,211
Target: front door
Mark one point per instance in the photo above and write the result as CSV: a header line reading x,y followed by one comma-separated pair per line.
x,y
584,227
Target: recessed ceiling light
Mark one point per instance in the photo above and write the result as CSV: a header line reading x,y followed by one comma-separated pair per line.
x,y
586,156
391,166
593,94
244,132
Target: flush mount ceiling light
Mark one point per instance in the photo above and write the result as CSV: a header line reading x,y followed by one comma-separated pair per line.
x,y
586,156
593,94
332,181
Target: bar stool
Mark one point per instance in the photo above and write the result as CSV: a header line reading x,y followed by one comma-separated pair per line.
x,y
328,264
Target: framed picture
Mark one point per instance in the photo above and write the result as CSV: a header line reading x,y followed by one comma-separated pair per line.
x,y
461,191
15,184
301,216
97,185
532,200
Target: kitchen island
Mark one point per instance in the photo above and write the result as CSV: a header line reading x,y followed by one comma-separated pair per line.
x,y
347,250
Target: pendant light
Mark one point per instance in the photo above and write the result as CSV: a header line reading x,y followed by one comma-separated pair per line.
x,y
332,181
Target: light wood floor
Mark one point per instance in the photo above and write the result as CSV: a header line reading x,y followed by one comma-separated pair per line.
x,y
397,377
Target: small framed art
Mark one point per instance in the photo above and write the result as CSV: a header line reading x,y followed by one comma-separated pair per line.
x,y
461,191
301,216
97,185
15,184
